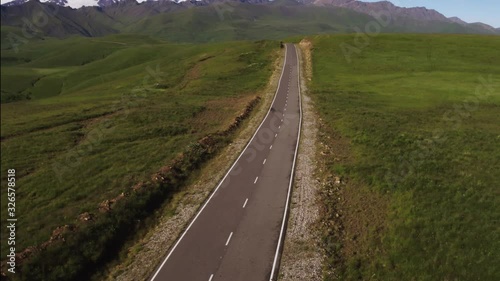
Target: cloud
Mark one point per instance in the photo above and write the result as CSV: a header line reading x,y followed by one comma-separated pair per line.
x,y
79,3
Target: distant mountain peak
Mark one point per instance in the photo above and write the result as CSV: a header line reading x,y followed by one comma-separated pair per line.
x,y
457,20
484,26
59,2
418,13
106,3
63,3
15,3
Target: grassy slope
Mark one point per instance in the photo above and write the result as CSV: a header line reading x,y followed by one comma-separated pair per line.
x,y
242,21
417,138
57,21
94,128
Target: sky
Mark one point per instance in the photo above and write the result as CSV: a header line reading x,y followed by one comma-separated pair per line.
x,y
487,11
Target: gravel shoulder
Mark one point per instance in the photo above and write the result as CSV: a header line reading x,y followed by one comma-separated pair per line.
x,y
301,259
143,257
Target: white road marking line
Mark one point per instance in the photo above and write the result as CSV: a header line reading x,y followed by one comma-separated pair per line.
x,y
281,120
211,277
285,217
271,147
275,135
264,161
279,127
229,238
227,173
256,179
245,204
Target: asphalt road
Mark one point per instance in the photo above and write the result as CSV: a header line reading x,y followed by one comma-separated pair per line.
x,y
236,235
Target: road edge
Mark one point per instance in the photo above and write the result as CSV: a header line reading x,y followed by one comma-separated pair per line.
x,y
140,259
279,248
178,240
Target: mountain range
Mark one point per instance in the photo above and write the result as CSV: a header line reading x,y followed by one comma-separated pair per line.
x,y
218,20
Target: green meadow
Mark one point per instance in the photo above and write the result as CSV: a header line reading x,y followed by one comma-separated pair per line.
x,y
417,119
412,122
85,119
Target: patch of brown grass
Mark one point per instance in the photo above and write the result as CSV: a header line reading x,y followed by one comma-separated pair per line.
x,y
194,72
220,112
306,47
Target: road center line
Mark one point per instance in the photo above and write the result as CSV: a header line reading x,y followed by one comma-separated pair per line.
x,y
264,161
273,276
245,204
229,238
276,135
180,240
256,179
271,147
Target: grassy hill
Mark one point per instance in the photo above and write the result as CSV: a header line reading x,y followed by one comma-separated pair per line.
x,y
412,126
104,115
241,21
56,21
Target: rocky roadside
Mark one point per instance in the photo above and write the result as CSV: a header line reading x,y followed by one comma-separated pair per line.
x,y
302,257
